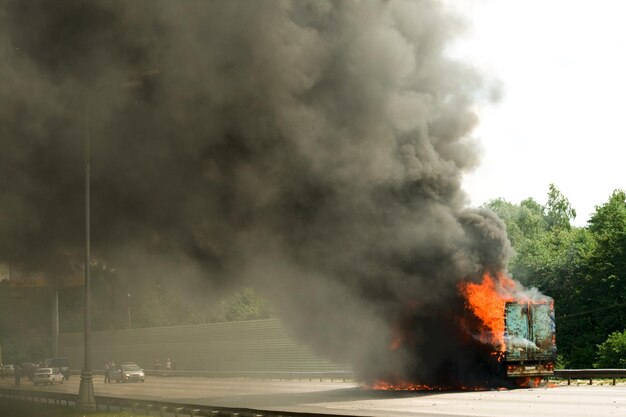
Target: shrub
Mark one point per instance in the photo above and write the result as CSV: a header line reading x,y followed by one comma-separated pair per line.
x,y
612,353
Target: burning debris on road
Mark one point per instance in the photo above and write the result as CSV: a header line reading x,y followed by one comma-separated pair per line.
x,y
311,149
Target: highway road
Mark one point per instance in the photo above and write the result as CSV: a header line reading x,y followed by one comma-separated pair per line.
x,y
350,399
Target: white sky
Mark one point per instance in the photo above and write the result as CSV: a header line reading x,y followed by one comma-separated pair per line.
x,y
562,64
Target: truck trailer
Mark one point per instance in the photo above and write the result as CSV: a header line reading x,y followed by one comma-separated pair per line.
x,y
529,337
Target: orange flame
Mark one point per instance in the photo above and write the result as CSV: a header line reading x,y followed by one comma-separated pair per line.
x,y
408,386
401,386
529,382
487,301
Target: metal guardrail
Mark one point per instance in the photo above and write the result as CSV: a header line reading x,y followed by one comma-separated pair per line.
x,y
568,374
147,406
589,374
291,375
340,375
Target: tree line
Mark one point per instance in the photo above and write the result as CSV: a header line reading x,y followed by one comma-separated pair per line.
x,y
582,268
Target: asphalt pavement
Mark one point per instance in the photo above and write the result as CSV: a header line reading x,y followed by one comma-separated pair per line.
x,y
350,399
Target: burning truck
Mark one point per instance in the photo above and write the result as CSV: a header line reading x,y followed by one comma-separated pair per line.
x,y
516,324
503,335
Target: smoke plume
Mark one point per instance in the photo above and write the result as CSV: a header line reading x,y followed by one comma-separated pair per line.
x,y
312,149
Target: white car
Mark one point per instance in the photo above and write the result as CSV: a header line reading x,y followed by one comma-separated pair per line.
x,y
128,373
47,376
7,370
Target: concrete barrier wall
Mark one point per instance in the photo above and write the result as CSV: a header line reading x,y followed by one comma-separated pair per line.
x,y
255,346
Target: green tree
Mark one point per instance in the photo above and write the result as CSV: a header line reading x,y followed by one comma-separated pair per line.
x,y
606,284
555,257
244,304
612,353
558,210
523,221
27,335
582,268
608,224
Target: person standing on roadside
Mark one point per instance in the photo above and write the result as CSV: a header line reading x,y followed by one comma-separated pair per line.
x,y
107,373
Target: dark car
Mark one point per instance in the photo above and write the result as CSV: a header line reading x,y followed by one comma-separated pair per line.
x,y
29,369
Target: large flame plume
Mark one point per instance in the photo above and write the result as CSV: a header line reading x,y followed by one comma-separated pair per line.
x,y
486,300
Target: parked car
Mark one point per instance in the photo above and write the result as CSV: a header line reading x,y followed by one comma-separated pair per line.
x,y
48,376
62,364
7,370
128,373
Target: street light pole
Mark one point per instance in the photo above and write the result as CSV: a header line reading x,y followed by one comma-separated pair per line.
x,y
86,400
55,321
129,311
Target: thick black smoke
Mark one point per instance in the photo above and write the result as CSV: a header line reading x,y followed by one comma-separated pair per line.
x,y
314,149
